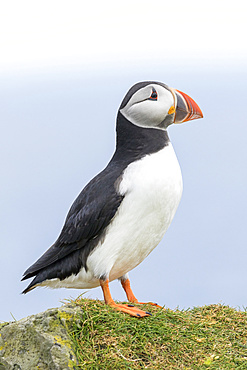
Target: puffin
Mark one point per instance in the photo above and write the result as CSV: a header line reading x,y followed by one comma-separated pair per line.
x,y
122,214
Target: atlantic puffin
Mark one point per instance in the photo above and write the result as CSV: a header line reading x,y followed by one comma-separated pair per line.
x,y
123,212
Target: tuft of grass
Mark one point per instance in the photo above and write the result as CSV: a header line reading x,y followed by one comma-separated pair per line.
x,y
209,337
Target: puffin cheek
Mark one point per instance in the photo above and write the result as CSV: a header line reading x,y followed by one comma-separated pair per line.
x,y
167,121
144,115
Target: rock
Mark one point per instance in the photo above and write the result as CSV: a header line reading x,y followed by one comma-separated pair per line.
x,y
39,342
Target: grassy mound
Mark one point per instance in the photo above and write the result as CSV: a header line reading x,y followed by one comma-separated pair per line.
x,y
210,337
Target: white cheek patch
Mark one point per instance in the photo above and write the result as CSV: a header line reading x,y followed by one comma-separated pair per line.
x,y
144,112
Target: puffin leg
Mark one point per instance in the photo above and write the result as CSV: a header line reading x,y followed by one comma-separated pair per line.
x,y
132,311
130,295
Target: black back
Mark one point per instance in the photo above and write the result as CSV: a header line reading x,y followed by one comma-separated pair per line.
x,y
96,205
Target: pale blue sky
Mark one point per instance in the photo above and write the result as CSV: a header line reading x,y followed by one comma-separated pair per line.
x,y
57,115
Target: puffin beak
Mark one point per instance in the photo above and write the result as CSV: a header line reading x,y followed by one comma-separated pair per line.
x,y
186,107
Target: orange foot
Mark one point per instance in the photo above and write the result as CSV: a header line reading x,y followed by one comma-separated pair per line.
x,y
153,304
130,295
126,308
130,309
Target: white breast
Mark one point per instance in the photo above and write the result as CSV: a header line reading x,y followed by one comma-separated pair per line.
x,y
152,188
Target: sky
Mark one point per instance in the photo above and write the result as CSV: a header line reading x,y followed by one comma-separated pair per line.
x,y
64,69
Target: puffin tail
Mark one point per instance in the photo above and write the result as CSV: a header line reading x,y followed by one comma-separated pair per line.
x,y
31,286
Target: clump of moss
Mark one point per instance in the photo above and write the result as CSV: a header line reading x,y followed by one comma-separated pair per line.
x,y
40,341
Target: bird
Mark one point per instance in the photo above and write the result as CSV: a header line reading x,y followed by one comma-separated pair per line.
x,y
122,214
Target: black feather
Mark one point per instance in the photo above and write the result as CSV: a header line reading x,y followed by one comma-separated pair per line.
x,y
95,206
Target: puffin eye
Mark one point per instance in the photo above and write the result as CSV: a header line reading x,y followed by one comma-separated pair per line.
x,y
154,95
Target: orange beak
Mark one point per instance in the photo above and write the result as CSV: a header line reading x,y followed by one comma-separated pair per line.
x,y
186,108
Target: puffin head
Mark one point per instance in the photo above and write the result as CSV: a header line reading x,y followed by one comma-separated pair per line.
x,y
153,104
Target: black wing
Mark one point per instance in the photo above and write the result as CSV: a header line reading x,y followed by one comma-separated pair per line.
x,y
86,221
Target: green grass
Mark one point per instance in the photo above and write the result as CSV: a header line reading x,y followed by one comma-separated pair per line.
x,y
210,337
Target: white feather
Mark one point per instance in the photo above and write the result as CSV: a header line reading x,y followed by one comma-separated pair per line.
x,y
152,188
